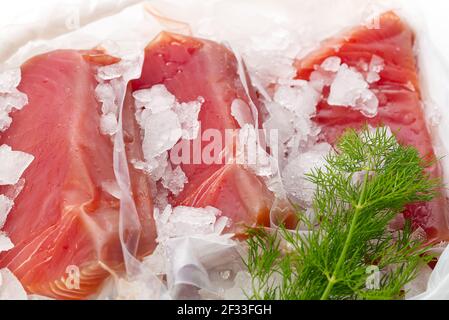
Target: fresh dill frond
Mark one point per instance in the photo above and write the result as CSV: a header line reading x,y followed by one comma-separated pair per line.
x,y
348,251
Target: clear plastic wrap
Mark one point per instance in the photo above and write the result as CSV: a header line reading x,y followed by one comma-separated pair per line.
x,y
204,264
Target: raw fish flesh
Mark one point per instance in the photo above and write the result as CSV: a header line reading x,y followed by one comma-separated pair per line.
x,y
394,81
191,68
64,221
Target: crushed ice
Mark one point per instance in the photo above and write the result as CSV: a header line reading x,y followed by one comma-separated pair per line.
x,y
5,243
5,207
290,112
14,163
251,153
349,89
10,97
241,112
190,240
10,287
298,187
164,122
110,79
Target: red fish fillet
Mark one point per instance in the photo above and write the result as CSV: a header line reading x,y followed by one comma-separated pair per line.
x,y
64,220
400,105
192,68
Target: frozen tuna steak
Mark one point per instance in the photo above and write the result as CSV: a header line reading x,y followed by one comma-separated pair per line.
x,y
193,68
64,222
370,76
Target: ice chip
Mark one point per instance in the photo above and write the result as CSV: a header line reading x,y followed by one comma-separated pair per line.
x,y
251,153
157,98
5,243
346,87
372,77
10,286
192,221
106,95
241,112
290,115
188,117
349,89
5,121
155,167
132,66
15,99
110,72
116,70
9,80
331,64
128,68
375,67
174,180
280,119
13,164
162,132
301,98
377,64
293,175
5,207
108,124
368,104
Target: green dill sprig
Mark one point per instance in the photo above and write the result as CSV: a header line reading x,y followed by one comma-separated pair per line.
x,y
365,183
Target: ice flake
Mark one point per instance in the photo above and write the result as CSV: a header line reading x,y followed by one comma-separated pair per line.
x,y
164,121
9,80
331,64
162,132
377,64
301,99
349,89
5,120
10,287
375,67
160,196
5,207
112,79
293,175
191,221
106,95
156,99
185,221
241,112
188,116
190,242
128,68
108,124
155,167
13,164
290,115
174,180
251,153
14,99
10,97
5,243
